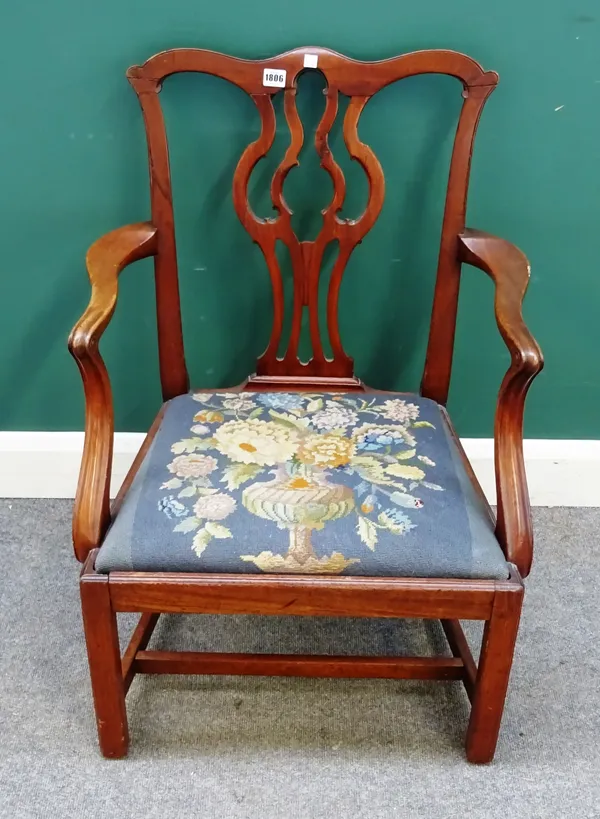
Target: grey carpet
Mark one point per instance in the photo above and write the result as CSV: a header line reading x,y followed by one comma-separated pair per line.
x,y
243,747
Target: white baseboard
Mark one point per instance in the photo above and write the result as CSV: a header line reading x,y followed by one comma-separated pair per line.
x,y
46,465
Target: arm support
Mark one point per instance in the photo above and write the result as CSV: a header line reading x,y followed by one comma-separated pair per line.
x,y
105,260
509,269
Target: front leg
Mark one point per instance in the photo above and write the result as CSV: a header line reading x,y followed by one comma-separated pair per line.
x,y
495,662
102,640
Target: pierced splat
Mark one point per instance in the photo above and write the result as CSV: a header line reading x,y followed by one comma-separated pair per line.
x,y
307,256
359,81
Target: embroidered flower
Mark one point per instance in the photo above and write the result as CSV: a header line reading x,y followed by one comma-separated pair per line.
x,y
192,466
371,437
398,410
280,400
369,503
239,403
202,397
256,442
209,416
334,416
396,521
200,429
214,507
326,451
172,508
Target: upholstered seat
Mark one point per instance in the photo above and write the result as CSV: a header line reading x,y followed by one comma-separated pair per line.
x,y
360,484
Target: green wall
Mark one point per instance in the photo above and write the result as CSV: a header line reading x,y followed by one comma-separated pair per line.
x,y
73,165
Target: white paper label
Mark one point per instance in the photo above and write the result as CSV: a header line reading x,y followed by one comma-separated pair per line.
x,y
311,60
274,77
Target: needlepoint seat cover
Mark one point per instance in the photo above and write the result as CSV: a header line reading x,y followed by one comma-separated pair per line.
x,y
364,484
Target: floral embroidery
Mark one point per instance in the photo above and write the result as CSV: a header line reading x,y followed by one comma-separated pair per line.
x,y
200,429
192,466
256,442
427,461
285,450
171,507
214,507
372,438
239,403
280,400
334,416
326,451
209,417
398,410
396,521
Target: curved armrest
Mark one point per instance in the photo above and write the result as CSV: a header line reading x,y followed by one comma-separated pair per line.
x,y
105,260
509,269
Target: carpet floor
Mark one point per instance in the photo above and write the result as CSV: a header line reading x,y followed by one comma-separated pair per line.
x,y
301,749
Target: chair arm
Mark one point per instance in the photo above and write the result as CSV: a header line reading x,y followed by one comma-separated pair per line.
x,y
509,269
105,260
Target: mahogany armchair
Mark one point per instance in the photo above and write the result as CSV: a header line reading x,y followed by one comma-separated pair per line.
x,y
302,491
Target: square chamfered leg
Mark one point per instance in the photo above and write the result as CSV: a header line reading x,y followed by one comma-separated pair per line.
x,y
495,662
102,640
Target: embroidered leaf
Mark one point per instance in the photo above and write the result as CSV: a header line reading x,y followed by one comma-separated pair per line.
x,y
174,483
256,412
187,525
188,445
200,482
361,488
409,439
423,424
402,471
367,532
424,459
206,490
217,529
369,468
188,492
398,523
288,420
201,540
237,474
406,456
399,486
435,486
315,405
206,443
